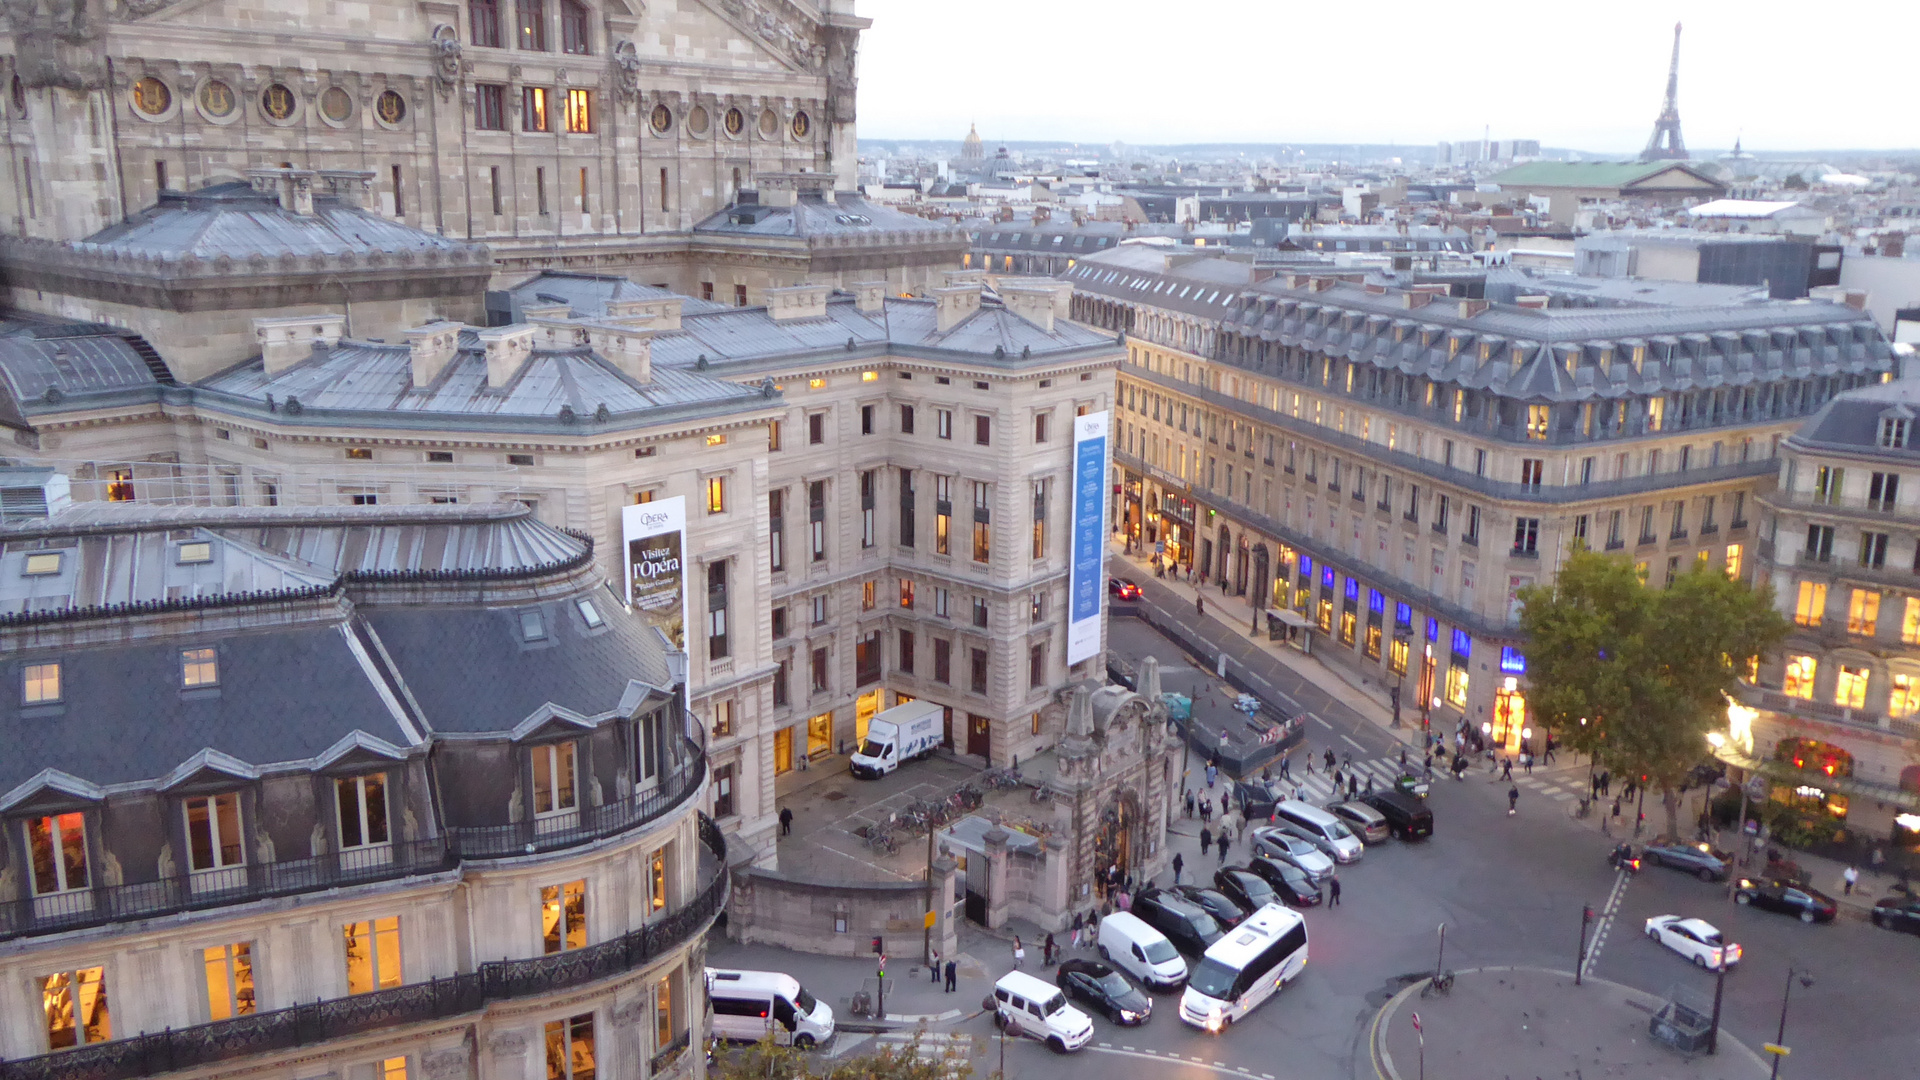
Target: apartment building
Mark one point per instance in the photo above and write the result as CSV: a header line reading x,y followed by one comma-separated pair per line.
x,y
1829,721
374,792
1382,463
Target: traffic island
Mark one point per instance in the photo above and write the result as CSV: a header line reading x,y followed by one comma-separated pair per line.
x,y
1532,1022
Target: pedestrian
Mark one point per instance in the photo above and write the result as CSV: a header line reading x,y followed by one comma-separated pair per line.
x,y
1506,770
1019,952
1403,758
1551,746
1286,768
1048,948
1353,786
1199,605
1339,780
1079,924
1189,802
1606,783
1369,783
786,821
1847,881
1224,841
1427,764
1877,861
1513,800
1526,761
1206,809
1178,864
1593,786
953,976
933,967
1308,758
1333,892
1329,759
1206,839
1213,773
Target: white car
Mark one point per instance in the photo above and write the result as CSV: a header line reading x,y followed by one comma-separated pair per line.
x,y
1695,939
1271,840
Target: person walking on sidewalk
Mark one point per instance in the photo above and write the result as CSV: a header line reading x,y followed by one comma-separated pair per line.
x,y
1019,952
933,967
1513,800
1178,864
1189,802
1213,773
1286,767
786,821
1328,758
1506,770
1848,880
1222,844
1353,786
1206,809
1200,605
953,976
1046,950
1206,839
1333,892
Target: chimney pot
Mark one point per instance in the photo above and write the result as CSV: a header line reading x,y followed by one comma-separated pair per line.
x,y
432,347
288,340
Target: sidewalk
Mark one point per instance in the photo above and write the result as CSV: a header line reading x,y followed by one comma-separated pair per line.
x,y
1517,1022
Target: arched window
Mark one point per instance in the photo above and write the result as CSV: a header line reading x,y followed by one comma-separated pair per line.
x,y
1812,755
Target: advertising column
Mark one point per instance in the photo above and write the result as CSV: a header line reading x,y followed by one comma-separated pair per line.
x,y
1086,581
655,535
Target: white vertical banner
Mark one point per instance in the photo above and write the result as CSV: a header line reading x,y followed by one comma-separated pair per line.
x,y
656,541
1086,581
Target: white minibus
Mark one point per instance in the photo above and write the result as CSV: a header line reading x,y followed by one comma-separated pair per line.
x,y
1245,968
749,1004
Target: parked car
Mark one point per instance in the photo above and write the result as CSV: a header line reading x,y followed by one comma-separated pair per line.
x,y
1185,924
1225,910
1319,828
1695,939
1257,798
1702,860
1367,823
1106,990
1246,888
1289,881
1280,844
1122,589
1408,818
1893,913
1787,898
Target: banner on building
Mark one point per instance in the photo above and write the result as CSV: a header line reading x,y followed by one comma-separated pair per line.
x,y
1086,582
656,540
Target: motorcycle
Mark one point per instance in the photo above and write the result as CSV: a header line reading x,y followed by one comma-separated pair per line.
x,y
1623,858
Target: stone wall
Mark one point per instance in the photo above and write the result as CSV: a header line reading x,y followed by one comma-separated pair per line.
x,y
839,918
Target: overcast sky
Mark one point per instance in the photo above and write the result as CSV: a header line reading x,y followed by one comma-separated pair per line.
x,y
1586,76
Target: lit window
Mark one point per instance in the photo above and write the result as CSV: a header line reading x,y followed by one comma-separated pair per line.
x,y
76,1008
563,916
1799,677
869,376
57,848
1850,688
1863,612
1910,622
553,787
213,832
199,551
816,384
1457,686
657,865
359,453
363,810
717,439
393,1068
1811,604
716,494
229,980
41,563
1905,698
1733,560
373,954
198,667
570,1054
40,683
579,111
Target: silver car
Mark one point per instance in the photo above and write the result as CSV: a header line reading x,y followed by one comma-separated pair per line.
x,y
1277,842
1366,822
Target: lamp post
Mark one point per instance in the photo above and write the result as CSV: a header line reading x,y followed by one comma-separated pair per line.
x,y
1780,1038
1719,987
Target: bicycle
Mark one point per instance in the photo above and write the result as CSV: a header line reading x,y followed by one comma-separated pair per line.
x,y
1440,984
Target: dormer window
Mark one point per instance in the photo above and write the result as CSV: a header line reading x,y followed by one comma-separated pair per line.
x,y
363,810
57,848
1893,432
213,833
198,667
554,791
40,683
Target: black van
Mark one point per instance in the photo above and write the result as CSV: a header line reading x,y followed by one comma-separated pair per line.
x,y
1185,923
1407,817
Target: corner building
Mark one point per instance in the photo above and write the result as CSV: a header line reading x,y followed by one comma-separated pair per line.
x,y
1383,462
359,791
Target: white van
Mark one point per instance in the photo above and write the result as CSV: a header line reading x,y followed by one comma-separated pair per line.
x,y
1319,828
1128,943
908,730
748,1004
1024,1005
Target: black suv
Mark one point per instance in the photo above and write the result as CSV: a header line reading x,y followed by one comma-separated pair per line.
x,y
1186,924
1257,798
1246,888
1225,910
1407,817
1287,880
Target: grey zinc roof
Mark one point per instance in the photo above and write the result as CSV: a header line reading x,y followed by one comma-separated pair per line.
x,y
43,364
848,214
235,221
1208,288
372,377
588,294
1851,421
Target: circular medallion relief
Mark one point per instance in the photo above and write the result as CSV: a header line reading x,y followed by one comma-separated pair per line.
x,y
769,123
277,102
736,123
336,104
391,107
216,98
697,120
802,124
151,96
661,119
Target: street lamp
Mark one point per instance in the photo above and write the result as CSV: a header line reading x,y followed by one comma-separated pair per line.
x,y
1780,1039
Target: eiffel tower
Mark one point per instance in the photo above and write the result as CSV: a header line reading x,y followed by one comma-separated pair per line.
x,y
1667,128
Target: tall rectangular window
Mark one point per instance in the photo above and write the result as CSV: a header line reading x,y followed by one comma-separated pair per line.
x,y
1526,536
869,495
563,916
1873,550
399,193
75,1006
943,423
490,108
531,18
213,832
776,530
373,954
982,430
943,514
1532,471
1042,426
1850,687
717,640
1040,518
906,508
1863,612
575,28
570,1049
1819,543
1827,484
716,494
723,790
942,661
1037,666
1883,489
229,971
533,108
499,196
820,671
580,122
363,809
982,524
977,680
483,23
906,419
554,789
57,848
817,519
1811,603
1472,535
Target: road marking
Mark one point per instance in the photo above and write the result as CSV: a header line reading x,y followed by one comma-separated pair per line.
x,y
1228,1070
1354,744
1604,923
1321,722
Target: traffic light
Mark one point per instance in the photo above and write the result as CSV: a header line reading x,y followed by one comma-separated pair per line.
x,y
1586,914
879,947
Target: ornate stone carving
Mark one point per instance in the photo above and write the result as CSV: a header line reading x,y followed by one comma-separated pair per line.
x,y
446,59
841,59
445,1064
780,26
629,1013
626,72
509,1043
59,43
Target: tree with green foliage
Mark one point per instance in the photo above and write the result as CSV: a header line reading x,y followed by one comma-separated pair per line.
x,y
1636,676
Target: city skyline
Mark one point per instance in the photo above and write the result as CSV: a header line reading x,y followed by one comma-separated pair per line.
x,y
1730,78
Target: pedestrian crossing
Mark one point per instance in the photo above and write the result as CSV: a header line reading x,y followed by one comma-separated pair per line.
x,y
1370,774
950,1052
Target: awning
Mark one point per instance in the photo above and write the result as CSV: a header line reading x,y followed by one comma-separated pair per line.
x,y
1289,617
1781,772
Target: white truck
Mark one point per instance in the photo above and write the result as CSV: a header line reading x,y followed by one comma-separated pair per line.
x,y
905,731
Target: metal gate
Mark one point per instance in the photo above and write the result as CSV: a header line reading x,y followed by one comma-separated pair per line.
x,y
977,887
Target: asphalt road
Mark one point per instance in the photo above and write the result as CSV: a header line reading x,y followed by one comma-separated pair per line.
x,y
1510,890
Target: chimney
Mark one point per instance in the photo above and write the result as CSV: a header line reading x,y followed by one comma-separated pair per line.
x,y
956,278
285,342
869,296
1470,308
507,348
627,347
1857,299
1033,303
1416,298
660,313
1375,288
348,186
797,302
1532,302
953,304
432,346
292,187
